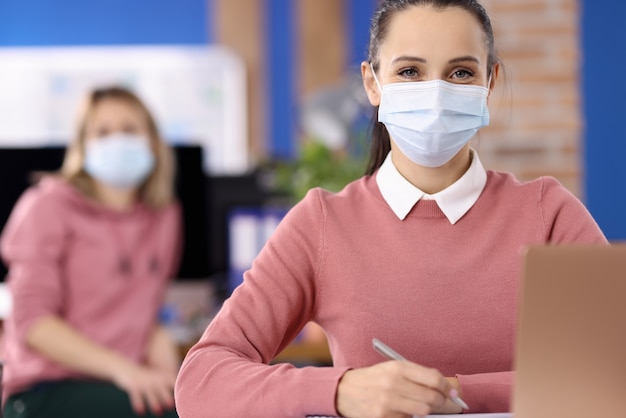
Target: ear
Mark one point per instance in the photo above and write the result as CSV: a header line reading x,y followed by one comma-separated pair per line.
x,y
373,94
495,73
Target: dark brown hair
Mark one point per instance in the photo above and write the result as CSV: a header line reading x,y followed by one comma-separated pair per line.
x,y
378,31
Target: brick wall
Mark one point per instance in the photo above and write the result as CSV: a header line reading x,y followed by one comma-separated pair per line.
x,y
536,111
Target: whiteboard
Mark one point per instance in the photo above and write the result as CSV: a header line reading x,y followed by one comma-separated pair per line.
x,y
196,93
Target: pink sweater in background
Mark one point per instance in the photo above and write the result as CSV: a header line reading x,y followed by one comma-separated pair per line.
x,y
442,295
64,254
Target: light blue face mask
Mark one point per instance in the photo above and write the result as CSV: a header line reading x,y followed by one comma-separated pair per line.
x,y
430,121
119,160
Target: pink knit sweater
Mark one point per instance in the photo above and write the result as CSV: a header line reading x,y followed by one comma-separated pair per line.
x,y
64,254
442,295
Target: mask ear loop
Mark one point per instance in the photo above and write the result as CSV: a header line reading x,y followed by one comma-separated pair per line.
x,y
489,82
380,88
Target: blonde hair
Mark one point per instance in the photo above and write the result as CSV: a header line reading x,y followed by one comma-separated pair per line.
x,y
157,191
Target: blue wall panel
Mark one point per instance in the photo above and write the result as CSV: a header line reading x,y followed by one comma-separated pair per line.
x,y
282,81
604,94
110,22
358,14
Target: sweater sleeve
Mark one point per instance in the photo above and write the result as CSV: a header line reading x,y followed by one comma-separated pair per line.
x,y
32,246
487,392
565,218
227,372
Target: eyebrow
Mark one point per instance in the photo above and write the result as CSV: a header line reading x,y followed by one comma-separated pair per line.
x,y
408,58
463,59
423,60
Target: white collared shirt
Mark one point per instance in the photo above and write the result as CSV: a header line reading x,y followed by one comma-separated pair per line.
x,y
454,201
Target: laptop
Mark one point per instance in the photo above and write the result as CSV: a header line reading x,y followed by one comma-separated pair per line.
x,y
571,341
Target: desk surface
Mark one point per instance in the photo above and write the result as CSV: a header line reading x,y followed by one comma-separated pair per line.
x,y
496,415
311,352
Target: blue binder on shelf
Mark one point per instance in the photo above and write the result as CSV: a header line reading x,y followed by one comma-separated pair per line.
x,y
249,229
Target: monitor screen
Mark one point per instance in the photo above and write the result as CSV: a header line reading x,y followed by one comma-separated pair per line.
x,y
225,194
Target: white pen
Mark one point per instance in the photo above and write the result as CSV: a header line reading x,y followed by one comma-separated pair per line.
x,y
391,354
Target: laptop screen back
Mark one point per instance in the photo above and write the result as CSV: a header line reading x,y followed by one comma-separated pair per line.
x,y
571,343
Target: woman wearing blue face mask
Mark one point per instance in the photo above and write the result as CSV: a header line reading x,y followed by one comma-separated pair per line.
x,y
89,253
421,253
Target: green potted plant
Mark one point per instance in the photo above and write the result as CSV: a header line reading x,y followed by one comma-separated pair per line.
x,y
318,165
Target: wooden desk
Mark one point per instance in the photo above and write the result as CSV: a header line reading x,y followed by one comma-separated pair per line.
x,y
491,415
316,353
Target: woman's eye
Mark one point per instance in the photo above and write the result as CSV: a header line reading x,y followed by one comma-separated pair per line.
x,y
409,72
130,129
462,74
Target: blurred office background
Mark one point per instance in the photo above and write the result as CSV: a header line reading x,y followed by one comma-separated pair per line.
x,y
250,81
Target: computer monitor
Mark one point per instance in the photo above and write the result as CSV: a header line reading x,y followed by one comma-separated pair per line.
x,y
17,166
225,194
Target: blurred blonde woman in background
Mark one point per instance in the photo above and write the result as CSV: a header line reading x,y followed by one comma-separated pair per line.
x,y
89,253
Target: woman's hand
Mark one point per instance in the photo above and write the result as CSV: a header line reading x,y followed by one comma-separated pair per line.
x,y
394,389
162,353
147,388
152,386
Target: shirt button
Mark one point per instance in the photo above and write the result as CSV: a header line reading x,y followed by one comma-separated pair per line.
x,y
19,407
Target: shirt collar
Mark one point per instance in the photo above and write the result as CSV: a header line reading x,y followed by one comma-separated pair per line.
x,y
454,201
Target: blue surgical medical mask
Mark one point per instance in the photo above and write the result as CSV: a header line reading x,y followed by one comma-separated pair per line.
x,y
119,160
430,121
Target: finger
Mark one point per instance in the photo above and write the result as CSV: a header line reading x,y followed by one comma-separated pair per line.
x,y
399,406
166,389
422,394
428,377
136,401
151,399
397,383
399,394
166,396
421,384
